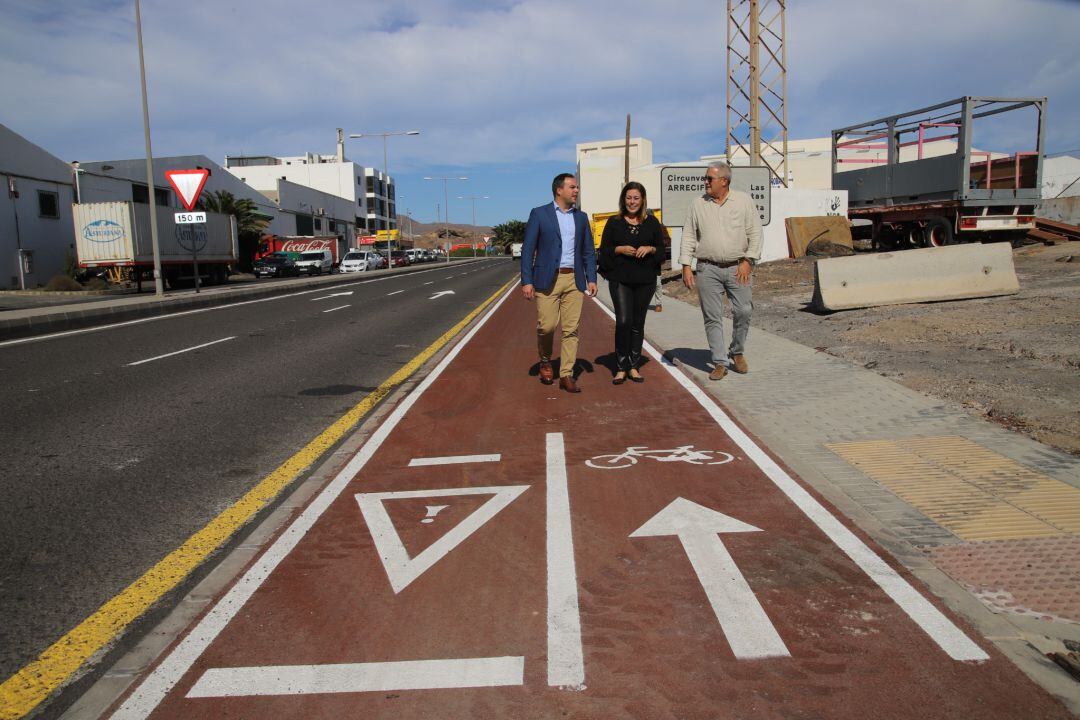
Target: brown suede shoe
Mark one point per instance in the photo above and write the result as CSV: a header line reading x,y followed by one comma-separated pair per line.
x,y
718,373
738,364
569,384
547,373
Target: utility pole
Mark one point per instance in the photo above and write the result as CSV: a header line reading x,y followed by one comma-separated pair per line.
x,y
159,285
474,198
757,114
626,153
446,215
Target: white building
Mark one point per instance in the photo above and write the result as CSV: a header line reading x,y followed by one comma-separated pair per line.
x,y
369,192
600,168
1061,188
36,227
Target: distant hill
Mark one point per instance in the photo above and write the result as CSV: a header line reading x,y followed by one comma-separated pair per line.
x,y
425,234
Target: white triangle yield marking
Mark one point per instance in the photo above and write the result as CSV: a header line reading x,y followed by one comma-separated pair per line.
x,y
400,568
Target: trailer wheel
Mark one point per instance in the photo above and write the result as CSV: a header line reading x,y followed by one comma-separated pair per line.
x,y
913,235
938,232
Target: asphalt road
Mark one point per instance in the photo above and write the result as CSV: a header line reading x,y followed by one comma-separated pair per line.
x,y
110,465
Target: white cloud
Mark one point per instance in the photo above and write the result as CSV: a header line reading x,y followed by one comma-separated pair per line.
x,y
497,82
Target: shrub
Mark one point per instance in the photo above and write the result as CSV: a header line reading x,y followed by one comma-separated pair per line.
x,y
62,283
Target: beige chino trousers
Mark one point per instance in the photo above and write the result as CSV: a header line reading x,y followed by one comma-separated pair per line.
x,y
560,305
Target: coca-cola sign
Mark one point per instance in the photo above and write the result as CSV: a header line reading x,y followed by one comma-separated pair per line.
x,y
306,245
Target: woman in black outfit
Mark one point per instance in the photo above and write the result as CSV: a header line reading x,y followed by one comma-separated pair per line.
x,y
631,251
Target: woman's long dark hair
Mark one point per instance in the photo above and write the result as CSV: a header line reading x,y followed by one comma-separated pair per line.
x,y
643,210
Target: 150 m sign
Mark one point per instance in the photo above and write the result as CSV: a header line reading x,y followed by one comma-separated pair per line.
x,y
190,218
680,184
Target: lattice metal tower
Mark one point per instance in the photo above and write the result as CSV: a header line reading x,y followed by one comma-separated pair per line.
x,y
757,85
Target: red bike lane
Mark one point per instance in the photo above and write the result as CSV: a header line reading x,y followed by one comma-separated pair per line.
x,y
499,548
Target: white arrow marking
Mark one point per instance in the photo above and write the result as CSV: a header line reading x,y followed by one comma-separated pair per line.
x,y
400,568
441,293
327,297
748,629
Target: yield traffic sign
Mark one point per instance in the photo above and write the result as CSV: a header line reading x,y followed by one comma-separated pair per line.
x,y
188,185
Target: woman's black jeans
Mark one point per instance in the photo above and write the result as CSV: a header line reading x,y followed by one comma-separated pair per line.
x,y
631,303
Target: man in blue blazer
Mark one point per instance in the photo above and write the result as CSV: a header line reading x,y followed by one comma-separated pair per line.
x,y
558,266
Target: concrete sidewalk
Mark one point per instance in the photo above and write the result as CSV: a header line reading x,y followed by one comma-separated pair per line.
x,y
987,518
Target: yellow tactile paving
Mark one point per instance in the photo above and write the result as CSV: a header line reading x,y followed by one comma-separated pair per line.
x,y
968,489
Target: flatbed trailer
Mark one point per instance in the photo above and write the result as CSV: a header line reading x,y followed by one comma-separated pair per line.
x,y
932,188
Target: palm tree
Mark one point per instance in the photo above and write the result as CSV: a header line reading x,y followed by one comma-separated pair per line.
x,y
250,221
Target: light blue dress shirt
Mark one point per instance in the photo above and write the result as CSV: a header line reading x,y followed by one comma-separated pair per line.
x,y
567,230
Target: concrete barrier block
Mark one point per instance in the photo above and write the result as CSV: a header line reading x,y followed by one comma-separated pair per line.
x,y
911,276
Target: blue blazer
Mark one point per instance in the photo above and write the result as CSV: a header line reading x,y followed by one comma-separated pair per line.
x,y
542,249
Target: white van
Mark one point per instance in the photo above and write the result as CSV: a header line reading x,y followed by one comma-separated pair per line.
x,y
315,262
515,250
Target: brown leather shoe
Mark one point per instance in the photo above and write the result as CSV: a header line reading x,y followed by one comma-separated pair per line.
x,y
718,373
547,373
738,364
569,384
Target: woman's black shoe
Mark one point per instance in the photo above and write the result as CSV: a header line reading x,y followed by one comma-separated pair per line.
x,y
617,380
636,378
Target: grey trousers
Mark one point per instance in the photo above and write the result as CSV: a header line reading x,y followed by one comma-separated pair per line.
x,y
713,284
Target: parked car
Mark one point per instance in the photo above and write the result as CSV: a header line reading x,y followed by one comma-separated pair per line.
x,y
415,255
429,255
315,262
398,258
361,260
275,265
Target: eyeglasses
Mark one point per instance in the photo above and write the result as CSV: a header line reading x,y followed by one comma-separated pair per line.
x,y
710,178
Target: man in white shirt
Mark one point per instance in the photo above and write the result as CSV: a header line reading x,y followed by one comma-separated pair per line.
x,y
723,233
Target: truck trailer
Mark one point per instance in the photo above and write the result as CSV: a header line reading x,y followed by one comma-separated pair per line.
x,y
296,244
117,235
932,187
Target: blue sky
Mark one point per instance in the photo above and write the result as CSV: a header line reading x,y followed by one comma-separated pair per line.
x,y
501,90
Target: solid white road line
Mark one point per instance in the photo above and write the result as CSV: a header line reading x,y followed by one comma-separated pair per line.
x,y
339,307
454,460
156,318
932,621
566,663
360,677
430,283
394,293
159,357
156,686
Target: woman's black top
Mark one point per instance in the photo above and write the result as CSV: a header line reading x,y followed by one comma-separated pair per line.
x,y
626,268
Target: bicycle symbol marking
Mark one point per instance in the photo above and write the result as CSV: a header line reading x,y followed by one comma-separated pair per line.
x,y
684,453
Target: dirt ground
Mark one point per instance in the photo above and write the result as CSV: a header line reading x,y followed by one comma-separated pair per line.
x,y
1014,360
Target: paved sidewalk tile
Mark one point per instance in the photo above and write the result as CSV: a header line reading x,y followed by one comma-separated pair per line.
x,y
995,510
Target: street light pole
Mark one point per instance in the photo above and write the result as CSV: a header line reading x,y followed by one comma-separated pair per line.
x,y
474,198
386,171
446,214
159,285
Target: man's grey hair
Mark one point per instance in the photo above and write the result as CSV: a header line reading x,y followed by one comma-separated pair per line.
x,y
721,167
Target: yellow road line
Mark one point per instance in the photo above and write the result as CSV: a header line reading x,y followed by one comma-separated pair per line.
x,y
28,687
